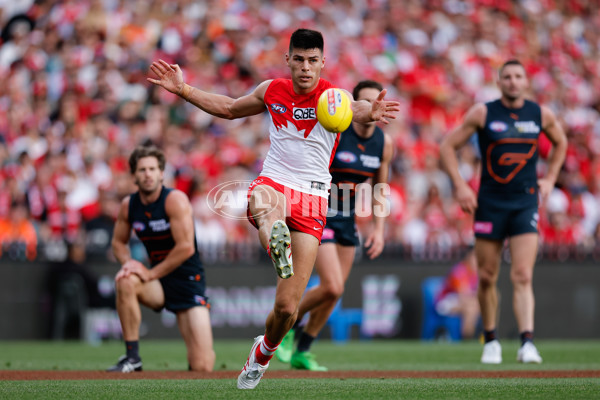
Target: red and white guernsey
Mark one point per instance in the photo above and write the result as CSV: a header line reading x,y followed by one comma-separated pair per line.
x,y
301,149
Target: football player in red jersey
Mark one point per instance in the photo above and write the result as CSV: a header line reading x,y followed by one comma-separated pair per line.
x,y
288,201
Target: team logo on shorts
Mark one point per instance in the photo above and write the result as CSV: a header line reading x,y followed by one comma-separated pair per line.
x,y
483,227
498,126
200,300
535,220
328,234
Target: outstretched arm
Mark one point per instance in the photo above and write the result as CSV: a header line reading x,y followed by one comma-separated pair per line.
x,y
379,110
170,77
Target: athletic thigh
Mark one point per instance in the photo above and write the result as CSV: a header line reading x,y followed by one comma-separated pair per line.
x,y
328,265
195,328
152,295
488,253
523,252
346,256
264,200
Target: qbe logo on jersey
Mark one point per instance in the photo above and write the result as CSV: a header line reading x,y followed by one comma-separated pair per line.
x,y
301,114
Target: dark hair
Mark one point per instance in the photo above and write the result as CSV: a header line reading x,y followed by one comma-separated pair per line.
x,y
146,151
306,39
363,85
510,62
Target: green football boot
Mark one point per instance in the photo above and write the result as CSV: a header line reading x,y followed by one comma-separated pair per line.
x,y
286,348
306,360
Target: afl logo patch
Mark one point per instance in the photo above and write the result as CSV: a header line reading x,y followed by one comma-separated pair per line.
x,y
498,126
346,156
138,226
200,300
278,108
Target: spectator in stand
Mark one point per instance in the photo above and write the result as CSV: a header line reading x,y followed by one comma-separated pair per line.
x,y
17,234
64,222
73,81
99,230
434,213
41,194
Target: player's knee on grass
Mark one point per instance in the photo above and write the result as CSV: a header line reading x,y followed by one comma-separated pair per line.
x,y
203,363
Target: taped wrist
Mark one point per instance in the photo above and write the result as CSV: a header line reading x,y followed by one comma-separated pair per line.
x,y
185,92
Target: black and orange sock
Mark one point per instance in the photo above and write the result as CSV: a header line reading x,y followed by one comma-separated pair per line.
x,y
132,349
526,336
488,336
305,342
297,329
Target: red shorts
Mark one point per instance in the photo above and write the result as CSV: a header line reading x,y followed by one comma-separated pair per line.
x,y
303,212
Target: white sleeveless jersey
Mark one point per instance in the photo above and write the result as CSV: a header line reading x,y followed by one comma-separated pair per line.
x,y
301,149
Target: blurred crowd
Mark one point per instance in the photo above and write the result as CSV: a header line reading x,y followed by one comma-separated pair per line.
x,y
74,102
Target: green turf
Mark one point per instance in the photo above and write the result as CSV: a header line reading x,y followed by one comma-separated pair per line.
x,y
306,389
358,355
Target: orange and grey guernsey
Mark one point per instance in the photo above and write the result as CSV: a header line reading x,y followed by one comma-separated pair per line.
x,y
508,143
356,160
152,226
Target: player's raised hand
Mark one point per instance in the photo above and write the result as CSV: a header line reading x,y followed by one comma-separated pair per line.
x,y
382,109
169,76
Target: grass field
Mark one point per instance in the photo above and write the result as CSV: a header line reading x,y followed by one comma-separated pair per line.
x,y
356,356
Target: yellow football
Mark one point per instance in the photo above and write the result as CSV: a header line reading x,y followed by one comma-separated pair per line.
x,y
334,110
